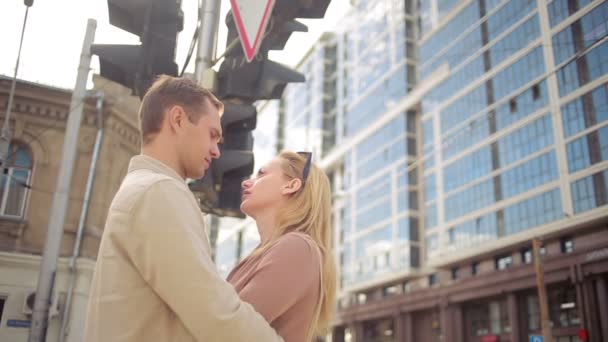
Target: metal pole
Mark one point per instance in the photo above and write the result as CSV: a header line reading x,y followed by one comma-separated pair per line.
x,y
61,195
65,317
542,291
6,136
207,41
214,227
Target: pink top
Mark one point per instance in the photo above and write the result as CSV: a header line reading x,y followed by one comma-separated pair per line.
x,y
282,284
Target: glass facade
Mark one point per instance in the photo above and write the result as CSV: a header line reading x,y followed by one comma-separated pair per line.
x,y
511,136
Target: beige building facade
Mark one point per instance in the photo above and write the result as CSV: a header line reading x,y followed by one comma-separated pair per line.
x,y
27,185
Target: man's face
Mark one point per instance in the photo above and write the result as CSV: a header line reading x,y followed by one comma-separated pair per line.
x,y
198,142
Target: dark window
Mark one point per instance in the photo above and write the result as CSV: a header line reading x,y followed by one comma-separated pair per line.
x,y
513,105
535,92
504,262
567,245
526,256
475,268
454,273
2,300
433,280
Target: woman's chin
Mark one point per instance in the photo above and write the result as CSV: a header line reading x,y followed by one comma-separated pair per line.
x,y
245,208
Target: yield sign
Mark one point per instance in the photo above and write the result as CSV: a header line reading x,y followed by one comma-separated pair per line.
x,y
251,17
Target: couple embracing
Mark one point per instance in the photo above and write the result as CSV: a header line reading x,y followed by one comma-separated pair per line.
x,y
154,279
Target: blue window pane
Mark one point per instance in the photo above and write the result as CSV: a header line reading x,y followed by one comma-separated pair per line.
x,y
583,195
533,212
430,188
578,154
529,175
596,65
473,232
476,197
578,151
430,217
586,194
526,140
467,169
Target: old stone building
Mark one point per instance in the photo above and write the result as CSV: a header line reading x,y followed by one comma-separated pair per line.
x,y
27,185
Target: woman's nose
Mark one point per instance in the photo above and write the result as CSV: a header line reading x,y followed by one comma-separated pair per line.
x,y
246,183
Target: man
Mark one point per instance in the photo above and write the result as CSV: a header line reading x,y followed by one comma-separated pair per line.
x,y
154,279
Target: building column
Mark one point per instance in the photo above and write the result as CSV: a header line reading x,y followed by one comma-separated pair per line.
x,y
601,290
445,321
357,331
590,320
514,317
457,324
399,326
408,327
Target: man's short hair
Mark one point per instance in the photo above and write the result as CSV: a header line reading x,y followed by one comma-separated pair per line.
x,y
169,91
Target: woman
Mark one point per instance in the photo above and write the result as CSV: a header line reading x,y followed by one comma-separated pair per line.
x,y
290,277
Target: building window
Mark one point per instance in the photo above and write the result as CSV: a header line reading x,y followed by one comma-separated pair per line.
x,y
563,308
488,318
475,268
389,291
454,273
513,105
2,301
504,262
407,287
535,92
567,245
14,181
433,279
526,256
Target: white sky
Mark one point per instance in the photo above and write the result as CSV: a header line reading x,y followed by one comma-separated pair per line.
x,y
55,32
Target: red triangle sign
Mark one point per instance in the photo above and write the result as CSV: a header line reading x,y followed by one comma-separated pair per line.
x,y
251,17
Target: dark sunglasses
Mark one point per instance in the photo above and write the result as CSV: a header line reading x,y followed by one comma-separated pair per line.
x,y
308,156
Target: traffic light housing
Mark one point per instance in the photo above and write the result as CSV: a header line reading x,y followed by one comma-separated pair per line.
x,y
239,85
157,23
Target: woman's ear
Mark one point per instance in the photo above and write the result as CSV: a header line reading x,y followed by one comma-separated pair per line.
x,y
292,186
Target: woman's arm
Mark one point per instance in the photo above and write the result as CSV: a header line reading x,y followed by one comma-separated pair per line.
x,y
286,272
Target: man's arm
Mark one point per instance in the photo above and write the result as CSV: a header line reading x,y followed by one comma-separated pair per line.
x,y
164,246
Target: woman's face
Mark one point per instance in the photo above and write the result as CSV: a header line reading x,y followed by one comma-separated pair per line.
x,y
266,191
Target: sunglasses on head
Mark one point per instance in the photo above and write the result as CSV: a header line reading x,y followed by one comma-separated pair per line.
x,y
308,156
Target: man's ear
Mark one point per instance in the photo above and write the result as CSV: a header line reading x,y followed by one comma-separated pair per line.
x,y
175,117
292,186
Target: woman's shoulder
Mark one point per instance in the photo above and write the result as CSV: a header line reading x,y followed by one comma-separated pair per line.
x,y
295,244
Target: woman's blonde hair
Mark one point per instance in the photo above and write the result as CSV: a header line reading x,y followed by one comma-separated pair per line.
x,y
309,212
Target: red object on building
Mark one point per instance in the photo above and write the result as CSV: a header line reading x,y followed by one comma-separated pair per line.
x,y
489,338
583,335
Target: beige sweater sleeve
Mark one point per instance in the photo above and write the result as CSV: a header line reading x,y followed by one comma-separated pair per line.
x,y
285,273
166,245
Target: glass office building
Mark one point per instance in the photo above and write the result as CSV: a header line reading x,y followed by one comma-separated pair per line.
x,y
454,132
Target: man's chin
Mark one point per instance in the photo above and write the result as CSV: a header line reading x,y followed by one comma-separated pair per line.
x,y
197,175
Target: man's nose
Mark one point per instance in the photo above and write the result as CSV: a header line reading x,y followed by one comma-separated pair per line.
x,y
215,151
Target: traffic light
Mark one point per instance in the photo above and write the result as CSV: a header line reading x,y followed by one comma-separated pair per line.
x,y
157,23
219,191
239,85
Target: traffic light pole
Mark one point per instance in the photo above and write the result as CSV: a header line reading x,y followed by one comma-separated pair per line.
x,y
6,134
46,278
207,42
